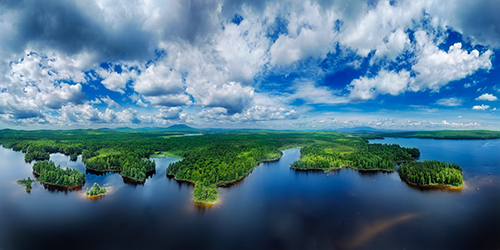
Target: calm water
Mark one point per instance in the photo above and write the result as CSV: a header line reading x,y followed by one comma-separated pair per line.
x,y
273,208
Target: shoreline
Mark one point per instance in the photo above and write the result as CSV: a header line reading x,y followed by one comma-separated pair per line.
x,y
60,186
434,186
230,183
338,168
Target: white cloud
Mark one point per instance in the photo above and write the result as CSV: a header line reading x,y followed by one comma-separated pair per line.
x,y
169,100
384,83
110,102
312,94
311,34
481,107
487,97
450,102
231,96
381,28
157,80
243,48
436,68
169,113
113,80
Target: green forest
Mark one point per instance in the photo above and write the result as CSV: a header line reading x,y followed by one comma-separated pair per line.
x,y
50,174
208,161
95,190
366,157
432,173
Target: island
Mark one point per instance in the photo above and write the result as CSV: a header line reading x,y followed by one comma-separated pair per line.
x,y
26,183
360,156
432,173
49,173
95,191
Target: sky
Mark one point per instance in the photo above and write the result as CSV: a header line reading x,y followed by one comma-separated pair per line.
x,y
300,65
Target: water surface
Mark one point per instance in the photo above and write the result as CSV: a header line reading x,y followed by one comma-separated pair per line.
x,y
275,207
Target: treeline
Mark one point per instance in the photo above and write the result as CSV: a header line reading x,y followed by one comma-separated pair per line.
x,y
50,174
365,157
432,172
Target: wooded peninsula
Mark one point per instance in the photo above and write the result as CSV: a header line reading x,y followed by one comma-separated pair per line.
x,y
216,159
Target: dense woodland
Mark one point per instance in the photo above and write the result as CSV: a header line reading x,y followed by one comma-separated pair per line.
x,y
50,174
211,160
95,190
365,157
431,173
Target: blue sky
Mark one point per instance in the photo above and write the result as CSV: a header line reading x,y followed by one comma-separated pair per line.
x,y
409,65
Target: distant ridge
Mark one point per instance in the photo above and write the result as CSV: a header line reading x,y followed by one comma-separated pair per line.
x,y
364,129
173,128
182,128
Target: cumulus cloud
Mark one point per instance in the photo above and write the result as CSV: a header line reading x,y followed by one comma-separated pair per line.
x,y
157,80
169,113
38,81
310,35
384,83
436,68
487,97
481,107
450,102
110,102
232,96
312,94
165,56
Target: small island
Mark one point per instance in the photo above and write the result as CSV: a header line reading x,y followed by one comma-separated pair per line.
x,y
432,173
48,173
95,191
27,183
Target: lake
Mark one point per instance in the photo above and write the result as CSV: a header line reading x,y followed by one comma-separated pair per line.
x,y
275,207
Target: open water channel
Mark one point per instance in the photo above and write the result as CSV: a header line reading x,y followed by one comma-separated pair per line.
x,y
275,207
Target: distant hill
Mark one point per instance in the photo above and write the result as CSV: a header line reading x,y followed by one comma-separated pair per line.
x,y
364,129
182,128
173,128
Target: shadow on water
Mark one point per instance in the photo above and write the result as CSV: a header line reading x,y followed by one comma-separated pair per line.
x,y
434,188
99,173
57,189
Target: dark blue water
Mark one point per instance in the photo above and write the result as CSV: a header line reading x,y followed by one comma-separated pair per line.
x,y
275,207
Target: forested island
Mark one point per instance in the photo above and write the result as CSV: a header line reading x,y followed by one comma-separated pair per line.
x,y
432,173
26,183
329,157
210,160
48,173
95,191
